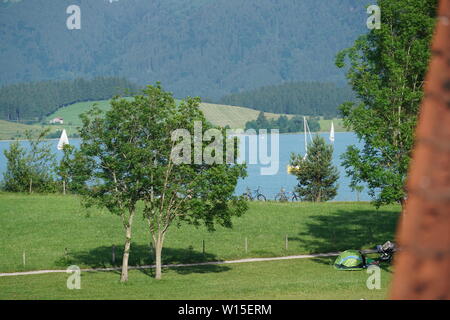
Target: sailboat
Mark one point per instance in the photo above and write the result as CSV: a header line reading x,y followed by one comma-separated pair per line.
x,y
332,132
292,169
63,140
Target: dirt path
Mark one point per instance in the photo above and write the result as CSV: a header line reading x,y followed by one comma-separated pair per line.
x,y
304,256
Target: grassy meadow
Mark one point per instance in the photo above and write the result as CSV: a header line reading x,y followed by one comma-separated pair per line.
x,y
290,279
217,114
55,231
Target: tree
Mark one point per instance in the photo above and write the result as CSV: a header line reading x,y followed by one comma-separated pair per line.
x,y
127,151
30,169
191,191
386,70
63,168
316,174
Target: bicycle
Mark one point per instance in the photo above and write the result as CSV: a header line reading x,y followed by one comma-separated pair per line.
x,y
282,196
248,194
295,197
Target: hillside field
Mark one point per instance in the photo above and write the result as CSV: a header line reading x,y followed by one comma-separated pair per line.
x,y
217,114
222,115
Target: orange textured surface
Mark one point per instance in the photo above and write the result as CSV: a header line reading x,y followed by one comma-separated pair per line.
x,y
422,265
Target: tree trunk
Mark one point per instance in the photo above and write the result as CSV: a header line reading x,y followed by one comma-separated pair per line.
x,y
64,187
126,251
158,249
31,184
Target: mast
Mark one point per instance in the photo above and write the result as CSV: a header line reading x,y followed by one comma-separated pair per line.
x,y
306,140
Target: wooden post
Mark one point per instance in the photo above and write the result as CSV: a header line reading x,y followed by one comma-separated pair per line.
x,y
23,258
113,254
64,187
203,246
286,242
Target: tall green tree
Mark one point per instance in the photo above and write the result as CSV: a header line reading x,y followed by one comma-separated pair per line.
x,y
316,175
128,152
30,168
386,70
63,168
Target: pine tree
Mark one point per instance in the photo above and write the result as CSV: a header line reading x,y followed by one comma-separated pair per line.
x,y
316,174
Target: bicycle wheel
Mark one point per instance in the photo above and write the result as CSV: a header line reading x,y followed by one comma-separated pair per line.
x,y
294,198
261,197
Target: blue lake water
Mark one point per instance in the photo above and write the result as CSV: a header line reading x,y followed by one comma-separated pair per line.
x,y
270,184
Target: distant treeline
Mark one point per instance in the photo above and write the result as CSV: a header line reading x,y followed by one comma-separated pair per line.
x,y
35,100
304,98
283,123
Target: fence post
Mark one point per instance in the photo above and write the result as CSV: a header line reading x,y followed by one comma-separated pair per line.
x,y
23,258
286,243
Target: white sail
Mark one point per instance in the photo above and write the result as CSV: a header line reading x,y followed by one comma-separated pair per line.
x,y
332,132
63,140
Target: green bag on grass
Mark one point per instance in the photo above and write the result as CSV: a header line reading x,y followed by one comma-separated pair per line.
x,y
350,260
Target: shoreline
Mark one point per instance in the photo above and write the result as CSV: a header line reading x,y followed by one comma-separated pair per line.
x,y
318,132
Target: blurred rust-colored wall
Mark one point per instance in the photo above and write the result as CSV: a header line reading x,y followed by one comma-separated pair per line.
x,y
422,264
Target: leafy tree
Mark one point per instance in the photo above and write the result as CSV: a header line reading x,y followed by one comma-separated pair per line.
x,y
316,174
63,168
30,169
386,70
128,151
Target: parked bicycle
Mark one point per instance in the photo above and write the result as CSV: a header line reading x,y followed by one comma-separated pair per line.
x,y
295,197
257,195
284,196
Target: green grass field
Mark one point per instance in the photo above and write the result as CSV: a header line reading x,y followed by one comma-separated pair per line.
x,y
291,279
44,226
13,130
325,125
221,115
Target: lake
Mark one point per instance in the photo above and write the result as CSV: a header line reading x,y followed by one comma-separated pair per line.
x,y
270,184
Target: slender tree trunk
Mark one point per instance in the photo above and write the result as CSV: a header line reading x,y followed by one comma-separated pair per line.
x,y
126,251
158,249
64,187
31,184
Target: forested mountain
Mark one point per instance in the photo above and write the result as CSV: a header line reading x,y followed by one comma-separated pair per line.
x,y
30,102
305,98
206,48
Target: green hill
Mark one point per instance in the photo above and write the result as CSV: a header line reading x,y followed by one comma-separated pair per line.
x,y
217,114
13,130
